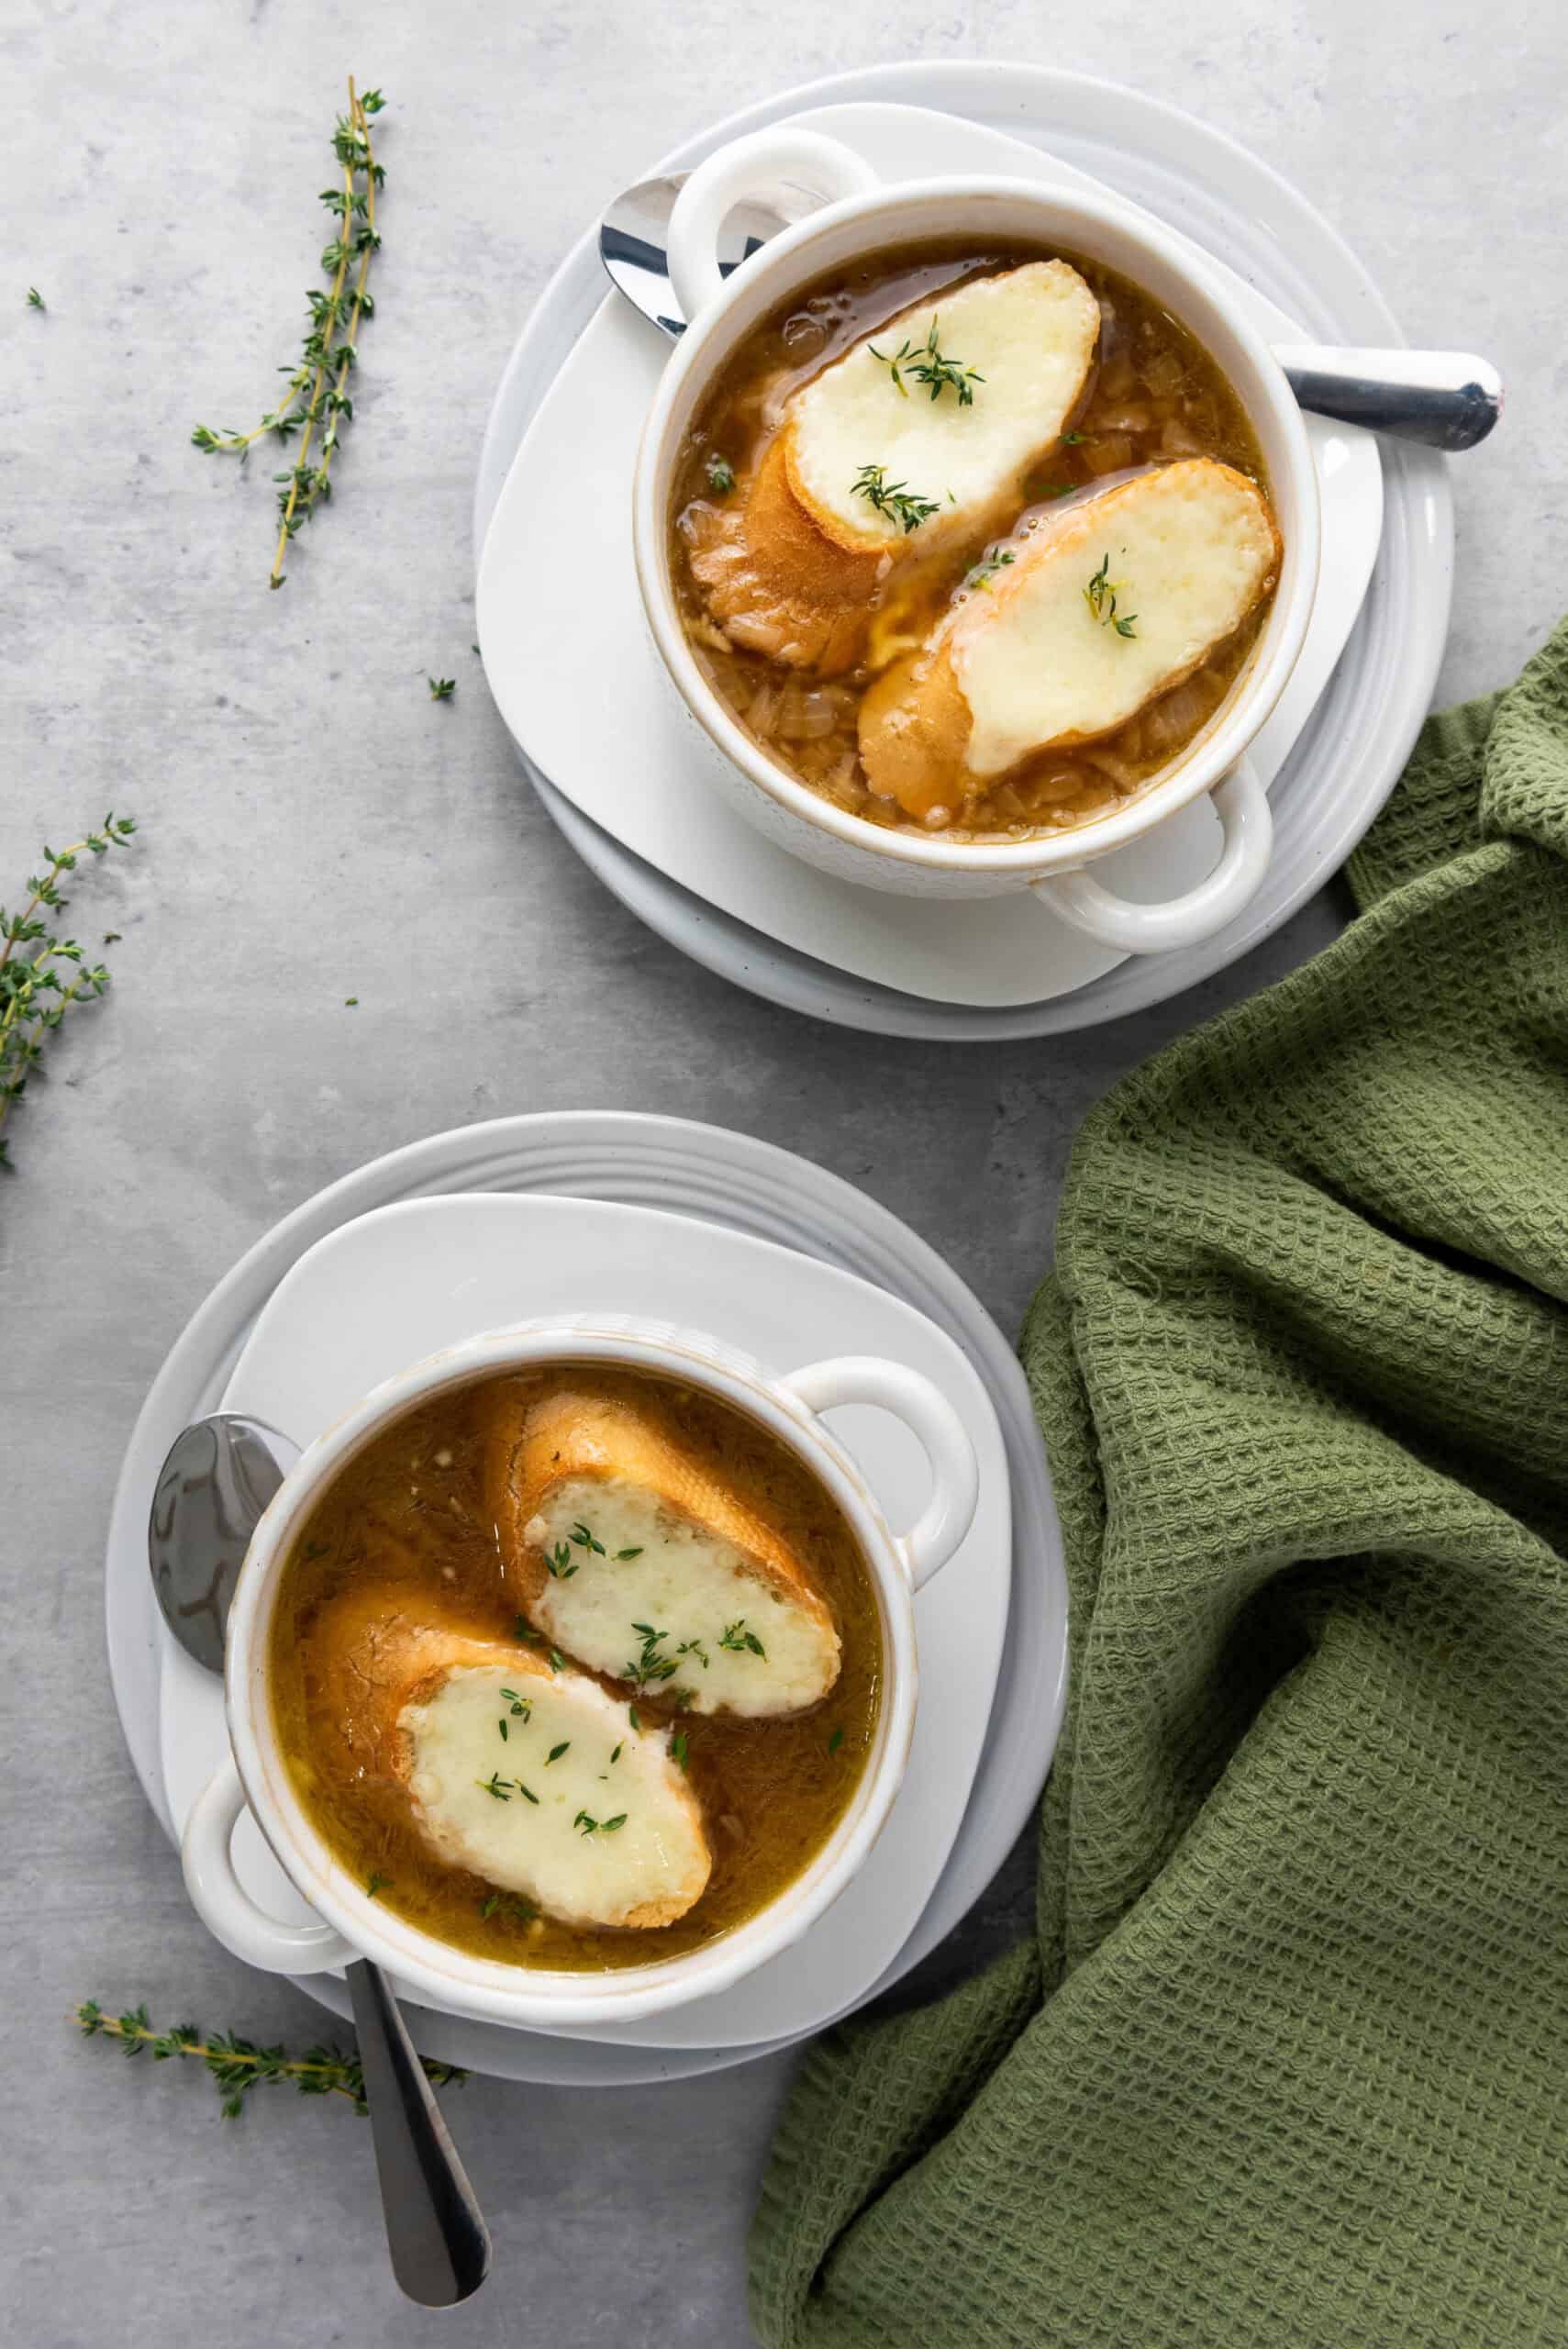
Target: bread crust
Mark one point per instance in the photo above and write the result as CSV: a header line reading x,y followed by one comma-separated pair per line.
x,y
533,1443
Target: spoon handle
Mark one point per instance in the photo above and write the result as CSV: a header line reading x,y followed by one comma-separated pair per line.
x,y
1446,399
435,2232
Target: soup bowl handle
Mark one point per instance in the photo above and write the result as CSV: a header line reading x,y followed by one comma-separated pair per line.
x,y
749,167
224,1906
1246,827
936,1426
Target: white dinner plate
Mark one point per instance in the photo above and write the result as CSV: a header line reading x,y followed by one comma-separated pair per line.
x,y
717,1179
405,1281
1351,748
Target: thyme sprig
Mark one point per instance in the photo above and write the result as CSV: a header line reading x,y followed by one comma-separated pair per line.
x,y
238,2064
983,572
38,989
1100,594
925,363
317,387
35,299
901,505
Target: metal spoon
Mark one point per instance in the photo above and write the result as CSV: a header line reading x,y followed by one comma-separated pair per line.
x,y
220,1476
1445,399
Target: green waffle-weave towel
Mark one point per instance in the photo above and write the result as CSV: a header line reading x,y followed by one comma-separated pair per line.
x,y
1286,2061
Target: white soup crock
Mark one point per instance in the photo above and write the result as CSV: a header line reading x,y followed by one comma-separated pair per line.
x,y
860,215
347,1923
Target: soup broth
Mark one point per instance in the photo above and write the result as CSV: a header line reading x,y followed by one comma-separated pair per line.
x,y
410,1515
1154,395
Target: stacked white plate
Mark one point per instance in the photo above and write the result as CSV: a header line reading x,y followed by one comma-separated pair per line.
x,y
558,609
644,1214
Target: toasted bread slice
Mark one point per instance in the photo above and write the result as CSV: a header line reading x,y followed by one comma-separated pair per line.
x,y
607,1834
792,564
1102,609
1019,345
639,1561
775,584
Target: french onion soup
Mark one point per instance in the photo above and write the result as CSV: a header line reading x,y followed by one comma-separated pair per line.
x,y
576,1668
972,543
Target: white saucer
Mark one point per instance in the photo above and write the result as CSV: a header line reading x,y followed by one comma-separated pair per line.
x,y
719,1179
404,1281
1352,748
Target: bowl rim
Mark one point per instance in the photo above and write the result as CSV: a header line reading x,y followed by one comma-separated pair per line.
x,y
452,1978
1269,403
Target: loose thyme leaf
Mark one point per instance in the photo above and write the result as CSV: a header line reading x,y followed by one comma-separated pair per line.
x,y
900,503
835,1741
35,299
557,1751
317,393
376,1883
985,569
678,1747
441,688
622,1555
720,475
739,1640
495,1784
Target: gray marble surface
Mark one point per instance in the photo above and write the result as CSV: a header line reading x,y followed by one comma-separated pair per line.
x,y
315,829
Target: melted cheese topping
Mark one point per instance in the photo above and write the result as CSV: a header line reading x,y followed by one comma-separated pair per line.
x,y
1029,333
1190,547
645,1870
686,1581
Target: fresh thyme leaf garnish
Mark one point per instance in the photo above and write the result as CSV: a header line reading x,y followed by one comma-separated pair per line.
x,y
925,363
678,1747
649,1664
557,1661
631,1716
694,1647
523,1630
512,1905
35,992
739,1640
1100,594
615,1756
349,1001
35,299
501,1725
987,569
376,1883
238,2065
559,1562
1073,440
522,1706
441,688
317,388
526,1793
720,475
557,1751
622,1555
584,1539
495,1784
892,498
835,1741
